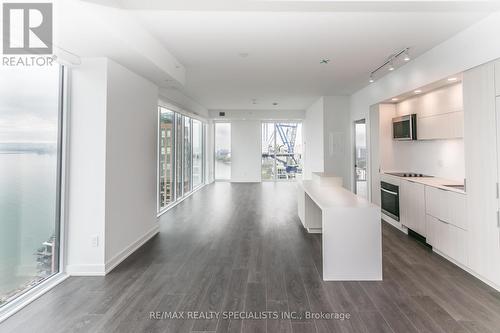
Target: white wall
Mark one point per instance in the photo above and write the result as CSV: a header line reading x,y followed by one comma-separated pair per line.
x,y
313,139
337,133
258,114
246,150
131,161
112,167
474,46
441,158
86,174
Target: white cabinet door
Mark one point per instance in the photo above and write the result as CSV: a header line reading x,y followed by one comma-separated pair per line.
x,y
495,237
442,126
413,206
447,206
447,239
497,78
481,170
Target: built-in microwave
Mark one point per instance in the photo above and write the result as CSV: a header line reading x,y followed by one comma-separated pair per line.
x,y
405,127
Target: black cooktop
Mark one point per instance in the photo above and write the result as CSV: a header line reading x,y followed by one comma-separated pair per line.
x,y
407,174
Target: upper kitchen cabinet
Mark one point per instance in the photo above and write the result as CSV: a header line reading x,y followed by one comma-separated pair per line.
x,y
480,133
439,113
497,77
441,126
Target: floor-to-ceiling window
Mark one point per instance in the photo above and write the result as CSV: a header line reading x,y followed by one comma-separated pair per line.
x,y
179,154
166,173
30,177
281,150
187,154
222,151
181,159
197,153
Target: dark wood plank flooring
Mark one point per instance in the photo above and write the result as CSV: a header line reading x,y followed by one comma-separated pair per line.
x,y
241,247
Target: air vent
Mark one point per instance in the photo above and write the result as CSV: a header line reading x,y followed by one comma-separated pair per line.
x,y
222,114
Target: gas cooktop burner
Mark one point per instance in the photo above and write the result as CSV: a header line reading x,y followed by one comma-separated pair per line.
x,y
407,174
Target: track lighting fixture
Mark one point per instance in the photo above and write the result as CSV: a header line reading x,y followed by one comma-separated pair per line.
x,y
391,62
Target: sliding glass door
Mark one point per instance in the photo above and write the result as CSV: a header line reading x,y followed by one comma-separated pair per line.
x,y
181,158
281,150
30,177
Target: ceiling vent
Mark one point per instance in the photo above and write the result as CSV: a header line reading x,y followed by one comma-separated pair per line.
x,y
222,114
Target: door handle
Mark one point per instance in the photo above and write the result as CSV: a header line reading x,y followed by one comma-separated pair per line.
x,y
390,192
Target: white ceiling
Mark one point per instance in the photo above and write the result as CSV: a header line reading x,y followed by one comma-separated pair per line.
x,y
285,41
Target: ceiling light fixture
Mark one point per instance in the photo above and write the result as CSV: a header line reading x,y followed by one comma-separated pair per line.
x,y
406,56
391,66
324,61
275,103
395,99
418,91
451,79
391,62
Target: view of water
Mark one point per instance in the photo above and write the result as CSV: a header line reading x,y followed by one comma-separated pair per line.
x,y
27,213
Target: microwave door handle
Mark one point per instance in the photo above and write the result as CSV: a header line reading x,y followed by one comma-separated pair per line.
x,y
390,192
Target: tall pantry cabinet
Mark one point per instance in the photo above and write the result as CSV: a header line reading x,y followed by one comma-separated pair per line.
x,y
481,91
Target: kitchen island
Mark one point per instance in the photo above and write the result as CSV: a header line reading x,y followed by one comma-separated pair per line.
x,y
350,227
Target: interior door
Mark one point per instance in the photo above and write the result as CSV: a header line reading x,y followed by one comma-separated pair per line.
x,y
360,159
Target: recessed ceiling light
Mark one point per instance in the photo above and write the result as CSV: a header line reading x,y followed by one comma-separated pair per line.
x,y
418,91
451,79
395,99
324,61
371,79
275,103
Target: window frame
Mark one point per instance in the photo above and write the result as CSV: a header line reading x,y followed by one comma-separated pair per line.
x,y
63,137
178,196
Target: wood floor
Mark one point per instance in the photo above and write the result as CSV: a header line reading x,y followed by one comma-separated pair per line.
x,y
240,247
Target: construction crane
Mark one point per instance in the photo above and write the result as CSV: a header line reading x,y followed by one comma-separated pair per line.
x,y
284,153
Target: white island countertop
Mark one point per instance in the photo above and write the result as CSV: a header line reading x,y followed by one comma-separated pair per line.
x,y
333,196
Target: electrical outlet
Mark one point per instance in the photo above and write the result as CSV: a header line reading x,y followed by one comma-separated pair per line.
x,y
94,240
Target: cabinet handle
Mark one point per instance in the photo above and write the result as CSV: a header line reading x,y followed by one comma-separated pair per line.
x,y
387,191
443,221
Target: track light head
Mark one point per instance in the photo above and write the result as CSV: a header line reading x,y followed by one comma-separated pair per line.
x,y
391,66
406,56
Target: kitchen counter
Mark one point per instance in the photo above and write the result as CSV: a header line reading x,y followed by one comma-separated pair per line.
x,y
431,181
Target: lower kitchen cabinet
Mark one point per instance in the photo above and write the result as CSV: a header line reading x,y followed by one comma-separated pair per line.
x,y
412,206
447,239
446,205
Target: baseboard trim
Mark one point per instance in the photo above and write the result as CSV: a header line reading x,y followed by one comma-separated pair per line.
x,y
31,295
86,270
117,259
468,270
314,230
